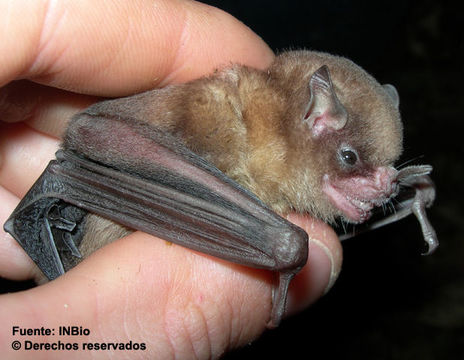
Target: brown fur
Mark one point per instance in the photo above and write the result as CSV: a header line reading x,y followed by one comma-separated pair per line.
x,y
249,124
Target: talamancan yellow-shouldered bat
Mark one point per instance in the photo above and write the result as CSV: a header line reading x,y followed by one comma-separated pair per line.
x,y
211,163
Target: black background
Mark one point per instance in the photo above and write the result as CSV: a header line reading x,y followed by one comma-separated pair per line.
x,y
389,302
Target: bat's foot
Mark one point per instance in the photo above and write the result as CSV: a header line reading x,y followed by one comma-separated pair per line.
x,y
430,237
279,300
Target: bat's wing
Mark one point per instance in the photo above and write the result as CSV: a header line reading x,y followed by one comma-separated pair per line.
x,y
149,184
417,193
48,229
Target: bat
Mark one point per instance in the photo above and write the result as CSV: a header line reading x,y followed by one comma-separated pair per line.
x,y
211,164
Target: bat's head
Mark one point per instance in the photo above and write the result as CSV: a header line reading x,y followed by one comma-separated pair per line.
x,y
348,134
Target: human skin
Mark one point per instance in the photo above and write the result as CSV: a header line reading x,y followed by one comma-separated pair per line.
x,y
67,55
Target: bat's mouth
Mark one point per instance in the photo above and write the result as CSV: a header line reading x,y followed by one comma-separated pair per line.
x,y
355,197
354,209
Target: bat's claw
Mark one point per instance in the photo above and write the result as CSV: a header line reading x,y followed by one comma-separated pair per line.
x,y
279,299
418,209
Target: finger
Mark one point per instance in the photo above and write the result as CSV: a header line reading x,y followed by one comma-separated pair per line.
x,y
125,47
143,289
44,108
187,302
14,262
323,267
24,154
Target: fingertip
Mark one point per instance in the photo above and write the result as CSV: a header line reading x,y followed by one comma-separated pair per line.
x,y
205,27
25,155
14,262
323,266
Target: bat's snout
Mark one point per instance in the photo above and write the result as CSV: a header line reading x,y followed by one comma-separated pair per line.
x,y
357,195
385,183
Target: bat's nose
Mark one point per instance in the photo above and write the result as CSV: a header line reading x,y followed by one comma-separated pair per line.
x,y
385,179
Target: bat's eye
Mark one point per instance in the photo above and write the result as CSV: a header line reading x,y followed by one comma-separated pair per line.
x,y
348,156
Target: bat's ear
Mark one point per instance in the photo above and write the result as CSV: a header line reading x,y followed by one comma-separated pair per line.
x,y
324,112
393,93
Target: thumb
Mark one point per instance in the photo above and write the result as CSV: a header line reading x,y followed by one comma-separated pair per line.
x,y
174,301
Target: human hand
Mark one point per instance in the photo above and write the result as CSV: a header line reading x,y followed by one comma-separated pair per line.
x,y
176,301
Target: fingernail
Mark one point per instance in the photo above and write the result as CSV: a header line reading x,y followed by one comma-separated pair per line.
x,y
325,254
